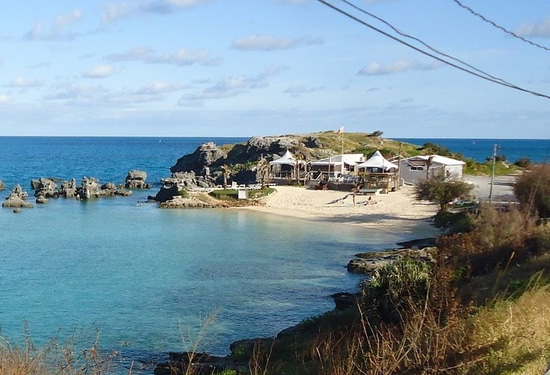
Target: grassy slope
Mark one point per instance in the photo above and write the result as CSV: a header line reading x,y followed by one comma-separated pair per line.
x,y
367,144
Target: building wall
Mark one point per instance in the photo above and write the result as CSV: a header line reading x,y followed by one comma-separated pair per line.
x,y
411,176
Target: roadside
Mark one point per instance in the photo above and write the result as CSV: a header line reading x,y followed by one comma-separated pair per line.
x,y
503,187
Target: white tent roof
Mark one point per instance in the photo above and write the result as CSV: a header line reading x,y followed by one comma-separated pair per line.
x,y
286,159
377,161
437,159
350,159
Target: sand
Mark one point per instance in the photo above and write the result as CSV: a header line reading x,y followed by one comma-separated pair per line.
x,y
396,211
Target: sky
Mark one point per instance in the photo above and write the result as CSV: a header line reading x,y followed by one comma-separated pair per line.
x,y
261,67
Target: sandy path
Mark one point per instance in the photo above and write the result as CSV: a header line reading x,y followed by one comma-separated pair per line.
x,y
396,211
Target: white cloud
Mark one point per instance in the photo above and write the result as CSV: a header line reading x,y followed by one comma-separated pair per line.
x,y
376,68
271,42
102,71
100,96
57,32
115,11
182,57
24,82
539,29
230,87
4,98
298,90
64,20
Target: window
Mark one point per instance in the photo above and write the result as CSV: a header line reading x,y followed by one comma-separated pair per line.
x,y
416,168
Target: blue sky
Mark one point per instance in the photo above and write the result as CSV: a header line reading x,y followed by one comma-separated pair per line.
x,y
258,67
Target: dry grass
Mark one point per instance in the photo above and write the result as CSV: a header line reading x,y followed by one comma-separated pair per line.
x,y
513,334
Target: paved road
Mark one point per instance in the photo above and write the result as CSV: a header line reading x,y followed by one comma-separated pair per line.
x,y
503,188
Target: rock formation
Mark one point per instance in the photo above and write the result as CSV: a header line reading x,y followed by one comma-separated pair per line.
x,y
137,180
366,263
17,199
2,185
204,156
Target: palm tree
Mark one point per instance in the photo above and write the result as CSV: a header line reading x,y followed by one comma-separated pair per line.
x,y
263,171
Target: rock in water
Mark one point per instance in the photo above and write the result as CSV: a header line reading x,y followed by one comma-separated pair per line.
x,y
2,185
45,187
137,180
17,199
68,189
90,188
41,200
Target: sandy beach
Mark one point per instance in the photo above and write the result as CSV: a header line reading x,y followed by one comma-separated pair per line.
x,y
397,211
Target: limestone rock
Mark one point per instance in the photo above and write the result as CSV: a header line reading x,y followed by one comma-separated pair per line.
x,y
204,156
68,189
370,262
17,210
16,202
41,200
137,180
2,185
180,202
90,188
45,187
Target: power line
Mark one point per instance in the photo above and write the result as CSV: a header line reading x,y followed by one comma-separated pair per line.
x,y
479,75
500,27
421,41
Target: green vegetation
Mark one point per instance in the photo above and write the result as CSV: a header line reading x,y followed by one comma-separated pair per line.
x,y
184,193
231,194
533,190
442,192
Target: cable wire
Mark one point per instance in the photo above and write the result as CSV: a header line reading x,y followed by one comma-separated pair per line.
x,y
422,42
500,27
474,73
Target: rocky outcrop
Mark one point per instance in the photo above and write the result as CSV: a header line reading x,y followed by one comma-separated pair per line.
x,y
204,156
180,202
90,188
17,199
367,263
42,200
68,189
182,181
2,185
45,188
137,180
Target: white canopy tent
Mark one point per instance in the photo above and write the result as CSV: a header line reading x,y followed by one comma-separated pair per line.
x,y
377,161
286,159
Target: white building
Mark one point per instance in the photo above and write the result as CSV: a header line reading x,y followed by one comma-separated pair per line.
x,y
335,163
415,169
377,164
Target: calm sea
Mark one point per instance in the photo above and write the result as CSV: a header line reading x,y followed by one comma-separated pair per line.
x,y
537,150
143,277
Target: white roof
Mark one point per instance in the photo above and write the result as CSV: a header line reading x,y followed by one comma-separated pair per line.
x,y
377,161
286,159
350,159
437,159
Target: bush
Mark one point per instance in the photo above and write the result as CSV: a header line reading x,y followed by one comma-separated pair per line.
x,y
532,189
441,191
403,277
184,193
523,163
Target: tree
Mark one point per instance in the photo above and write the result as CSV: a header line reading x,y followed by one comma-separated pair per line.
x,y
263,172
442,191
532,189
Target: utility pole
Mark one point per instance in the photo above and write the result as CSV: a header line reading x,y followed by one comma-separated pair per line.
x,y
399,168
493,175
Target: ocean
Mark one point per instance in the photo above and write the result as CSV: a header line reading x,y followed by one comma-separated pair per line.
x,y
144,277
538,150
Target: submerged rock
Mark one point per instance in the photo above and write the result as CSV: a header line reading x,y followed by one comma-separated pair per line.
x,y
42,200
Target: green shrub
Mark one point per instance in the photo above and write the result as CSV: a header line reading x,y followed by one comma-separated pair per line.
x,y
523,163
441,191
184,193
228,194
532,189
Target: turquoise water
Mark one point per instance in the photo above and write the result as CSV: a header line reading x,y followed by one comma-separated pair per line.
x,y
142,276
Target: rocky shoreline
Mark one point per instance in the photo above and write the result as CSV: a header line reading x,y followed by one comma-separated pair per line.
x,y
204,363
